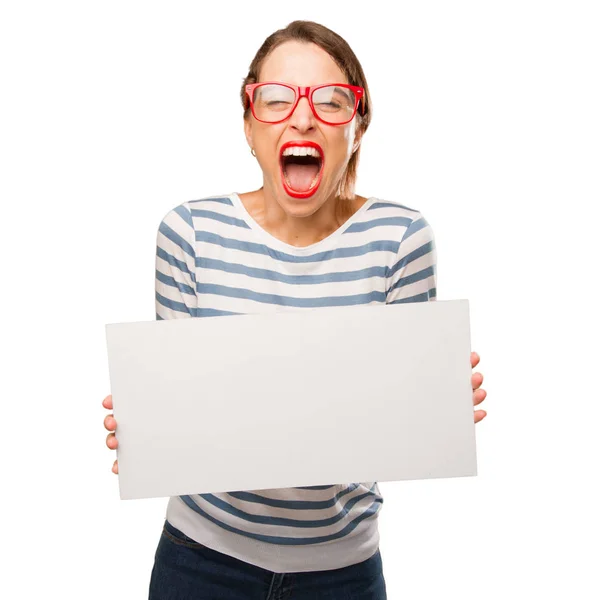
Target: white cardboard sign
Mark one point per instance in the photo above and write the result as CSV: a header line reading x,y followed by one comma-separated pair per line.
x,y
293,398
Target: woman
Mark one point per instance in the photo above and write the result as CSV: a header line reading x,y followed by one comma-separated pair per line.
x,y
303,240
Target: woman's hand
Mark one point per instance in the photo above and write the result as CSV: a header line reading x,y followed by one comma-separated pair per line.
x,y
478,394
111,425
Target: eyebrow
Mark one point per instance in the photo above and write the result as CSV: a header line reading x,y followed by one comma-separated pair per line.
x,y
343,91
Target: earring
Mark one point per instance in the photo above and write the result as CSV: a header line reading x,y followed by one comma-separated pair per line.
x,y
252,152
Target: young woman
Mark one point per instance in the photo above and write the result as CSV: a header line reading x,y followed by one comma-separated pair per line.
x,y
305,239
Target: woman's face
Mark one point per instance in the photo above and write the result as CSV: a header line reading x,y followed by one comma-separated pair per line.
x,y
303,64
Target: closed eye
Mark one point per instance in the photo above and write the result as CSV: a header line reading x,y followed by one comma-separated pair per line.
x,y
329,107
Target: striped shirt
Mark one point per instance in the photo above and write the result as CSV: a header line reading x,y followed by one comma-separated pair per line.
x,y
213,259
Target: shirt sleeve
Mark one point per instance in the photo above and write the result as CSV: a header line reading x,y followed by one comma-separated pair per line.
x,y
175,279
413,276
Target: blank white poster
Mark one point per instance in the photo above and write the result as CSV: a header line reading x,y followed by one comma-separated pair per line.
x,y
293,398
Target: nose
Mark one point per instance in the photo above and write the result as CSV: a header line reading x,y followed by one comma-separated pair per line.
x,y
302,118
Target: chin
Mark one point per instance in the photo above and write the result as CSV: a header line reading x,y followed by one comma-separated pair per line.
x,y
300,207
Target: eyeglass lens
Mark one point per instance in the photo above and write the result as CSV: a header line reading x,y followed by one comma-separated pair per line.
x,y
332,103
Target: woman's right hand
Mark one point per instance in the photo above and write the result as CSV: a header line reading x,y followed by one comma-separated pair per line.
x,y
111,425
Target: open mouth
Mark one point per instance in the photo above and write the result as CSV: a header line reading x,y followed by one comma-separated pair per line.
x,y
301,169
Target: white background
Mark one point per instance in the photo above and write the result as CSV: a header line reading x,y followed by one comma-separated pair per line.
x,y
485,118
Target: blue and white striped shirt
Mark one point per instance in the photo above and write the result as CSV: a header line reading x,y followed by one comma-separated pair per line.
x,y
213,259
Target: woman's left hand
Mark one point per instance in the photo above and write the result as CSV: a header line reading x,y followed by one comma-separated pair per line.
x,y
478,394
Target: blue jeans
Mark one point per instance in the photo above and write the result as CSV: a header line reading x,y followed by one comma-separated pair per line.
x,y
186,570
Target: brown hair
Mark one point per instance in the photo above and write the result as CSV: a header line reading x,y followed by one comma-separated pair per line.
x,y
344,57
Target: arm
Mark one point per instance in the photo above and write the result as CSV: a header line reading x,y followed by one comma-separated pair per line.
x,y
175,285
412,278
175,275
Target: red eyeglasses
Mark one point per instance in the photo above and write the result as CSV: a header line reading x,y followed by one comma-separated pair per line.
x,y
332,104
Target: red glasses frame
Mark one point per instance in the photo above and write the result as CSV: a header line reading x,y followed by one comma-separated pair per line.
x,y
308,91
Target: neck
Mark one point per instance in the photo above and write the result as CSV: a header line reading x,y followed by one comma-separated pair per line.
x,y
298,230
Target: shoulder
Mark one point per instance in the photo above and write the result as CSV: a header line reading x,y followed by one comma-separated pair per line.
x,y
381,208
392,205
401,222
190,207
184,213
378,213
409,213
